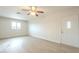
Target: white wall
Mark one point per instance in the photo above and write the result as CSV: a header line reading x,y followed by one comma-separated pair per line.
x,y
6,31
48,26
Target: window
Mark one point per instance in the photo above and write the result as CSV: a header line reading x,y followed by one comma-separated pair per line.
x,y
16,25
13,25
68,24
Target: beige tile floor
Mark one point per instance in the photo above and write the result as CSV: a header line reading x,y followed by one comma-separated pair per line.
x,y
33,45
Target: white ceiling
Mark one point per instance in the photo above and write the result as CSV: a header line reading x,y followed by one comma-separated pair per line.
x,y
10,11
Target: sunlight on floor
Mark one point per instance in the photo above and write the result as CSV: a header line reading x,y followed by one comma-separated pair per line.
x,y
16,43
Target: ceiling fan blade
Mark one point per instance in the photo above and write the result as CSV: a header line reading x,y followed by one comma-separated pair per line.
x,y
28,14
18,12
40,11
25,10
36,14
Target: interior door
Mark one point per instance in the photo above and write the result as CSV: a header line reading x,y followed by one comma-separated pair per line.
x,y
70,31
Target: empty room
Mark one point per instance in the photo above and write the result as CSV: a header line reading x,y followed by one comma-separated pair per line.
x,y
39,29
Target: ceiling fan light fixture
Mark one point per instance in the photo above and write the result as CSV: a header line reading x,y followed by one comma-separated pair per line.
x,y
33,13
33,8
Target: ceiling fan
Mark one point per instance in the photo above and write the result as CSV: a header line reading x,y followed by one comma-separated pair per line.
x,y
33,11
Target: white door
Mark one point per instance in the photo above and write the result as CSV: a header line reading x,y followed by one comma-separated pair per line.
x,y
70,31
